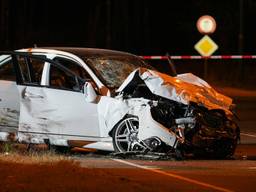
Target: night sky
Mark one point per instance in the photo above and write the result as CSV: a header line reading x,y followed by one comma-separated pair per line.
x,y
137,26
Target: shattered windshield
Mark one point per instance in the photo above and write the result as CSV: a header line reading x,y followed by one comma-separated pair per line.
x,y
114,70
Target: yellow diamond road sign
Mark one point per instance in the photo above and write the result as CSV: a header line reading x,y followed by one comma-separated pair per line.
x,y
206,46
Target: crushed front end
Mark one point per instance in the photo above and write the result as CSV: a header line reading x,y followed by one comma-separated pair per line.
x,y
199,131
198,117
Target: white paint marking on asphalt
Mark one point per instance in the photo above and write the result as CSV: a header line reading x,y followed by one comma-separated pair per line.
x,y
252,168
175,176
249,135
152,167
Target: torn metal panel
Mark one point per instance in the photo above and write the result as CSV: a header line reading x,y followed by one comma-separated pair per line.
x,y
149,128
111,111
184,88
193,79
222,100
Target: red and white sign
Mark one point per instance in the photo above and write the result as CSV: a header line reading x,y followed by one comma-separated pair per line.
x,y
206,24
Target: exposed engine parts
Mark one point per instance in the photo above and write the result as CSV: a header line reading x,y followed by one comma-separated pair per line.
x,y
198,130
204,132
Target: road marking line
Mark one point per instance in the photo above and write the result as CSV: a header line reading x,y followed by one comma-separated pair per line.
x,y
152,167
175,176
246,134
252,167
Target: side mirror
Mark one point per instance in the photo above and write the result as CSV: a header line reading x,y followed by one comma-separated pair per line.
x,y
89,92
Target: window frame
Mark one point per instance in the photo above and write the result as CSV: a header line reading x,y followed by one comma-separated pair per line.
x,y
90,79
63,88
41,57
75,63
8,60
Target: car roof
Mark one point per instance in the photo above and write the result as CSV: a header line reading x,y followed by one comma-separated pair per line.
x,y
88,52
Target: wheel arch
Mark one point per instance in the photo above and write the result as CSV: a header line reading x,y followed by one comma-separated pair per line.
x,y
110,133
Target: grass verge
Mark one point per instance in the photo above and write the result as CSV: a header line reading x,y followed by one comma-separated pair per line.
x,y
18,153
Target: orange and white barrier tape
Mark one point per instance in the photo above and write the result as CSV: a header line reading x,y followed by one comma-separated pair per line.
x,y
200,57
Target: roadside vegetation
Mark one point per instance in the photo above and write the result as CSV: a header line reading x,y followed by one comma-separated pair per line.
x,y
26,168
25,154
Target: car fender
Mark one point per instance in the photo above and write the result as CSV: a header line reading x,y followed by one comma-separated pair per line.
x,y
110,111
149,128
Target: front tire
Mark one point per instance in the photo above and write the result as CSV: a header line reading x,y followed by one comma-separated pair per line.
x,y
125,136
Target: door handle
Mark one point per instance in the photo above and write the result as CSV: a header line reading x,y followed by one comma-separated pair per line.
x,y
32,95
26,94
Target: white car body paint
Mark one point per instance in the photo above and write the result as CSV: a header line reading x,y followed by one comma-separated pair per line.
x,y
9,106
4,136
57,112
112,110
149,128
60,115
105,146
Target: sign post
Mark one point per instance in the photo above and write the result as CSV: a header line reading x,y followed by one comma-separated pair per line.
x,y
206,46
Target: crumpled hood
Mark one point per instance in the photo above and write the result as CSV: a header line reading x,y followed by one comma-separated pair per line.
x,y
184,88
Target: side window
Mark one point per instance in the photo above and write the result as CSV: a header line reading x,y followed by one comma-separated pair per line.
x,y
63,80
7,71
31,69
74,67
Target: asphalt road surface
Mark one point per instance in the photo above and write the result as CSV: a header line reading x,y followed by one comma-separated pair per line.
x,y
102,172
238,174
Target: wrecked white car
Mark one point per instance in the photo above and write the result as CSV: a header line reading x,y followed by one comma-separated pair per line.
x,y
110,100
